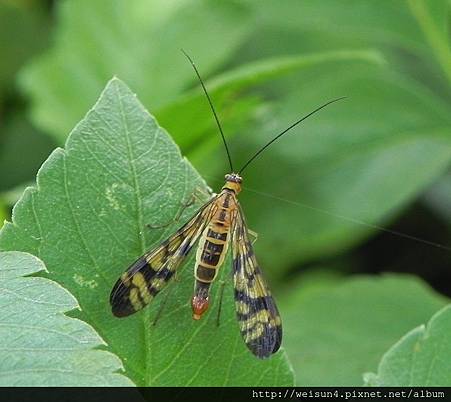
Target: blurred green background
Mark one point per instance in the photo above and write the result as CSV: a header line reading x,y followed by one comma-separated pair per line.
x,y
353,207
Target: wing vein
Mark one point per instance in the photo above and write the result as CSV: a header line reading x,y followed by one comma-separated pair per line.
x,y
257,314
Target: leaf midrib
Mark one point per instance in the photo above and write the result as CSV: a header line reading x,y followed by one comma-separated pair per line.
x,y
138,204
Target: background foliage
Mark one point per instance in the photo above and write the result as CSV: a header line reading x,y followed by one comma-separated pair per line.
x,y
360,190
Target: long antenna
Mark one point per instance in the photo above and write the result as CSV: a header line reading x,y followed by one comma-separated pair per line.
x,y
212,108
286,130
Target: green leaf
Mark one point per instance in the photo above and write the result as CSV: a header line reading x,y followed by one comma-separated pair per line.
x,y
13,195
40,345
3,212
138,41
344,172
224,88
433,18
338,329
329,24
86,219
157,88
420,358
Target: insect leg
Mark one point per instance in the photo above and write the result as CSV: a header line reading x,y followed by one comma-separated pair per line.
x,y
182,208
253,235
201,194
221,294
162,305
197,195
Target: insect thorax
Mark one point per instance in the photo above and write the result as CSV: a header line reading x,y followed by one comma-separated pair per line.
x,y
233,182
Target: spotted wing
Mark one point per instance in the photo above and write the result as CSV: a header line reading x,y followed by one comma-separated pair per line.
x,y
257,314
151,272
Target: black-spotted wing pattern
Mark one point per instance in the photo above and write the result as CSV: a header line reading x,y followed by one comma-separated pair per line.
x,y
145,278
219,222
257,314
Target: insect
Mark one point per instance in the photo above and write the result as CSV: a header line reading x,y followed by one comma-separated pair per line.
x,y
216,225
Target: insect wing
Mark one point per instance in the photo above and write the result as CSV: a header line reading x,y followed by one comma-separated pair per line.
x,y
145,278
257,314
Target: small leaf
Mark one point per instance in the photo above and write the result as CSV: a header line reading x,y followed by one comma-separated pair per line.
x,y
338,329
87,220
40,345
420,358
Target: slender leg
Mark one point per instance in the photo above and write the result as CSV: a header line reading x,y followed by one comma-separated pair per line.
x,y
198,195
177,216
253,235
176,276
221,294
162,305
202,194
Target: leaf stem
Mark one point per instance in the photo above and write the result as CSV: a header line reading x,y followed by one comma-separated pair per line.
x,y
436,39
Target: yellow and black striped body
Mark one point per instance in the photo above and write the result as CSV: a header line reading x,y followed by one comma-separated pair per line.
x,y
217,224
212,248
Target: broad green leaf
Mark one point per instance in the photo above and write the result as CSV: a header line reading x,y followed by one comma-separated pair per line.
x,y
433,18
223,89
420,358
8,199
41,345
86,219
137,40
336,330
191,109
435,13
350,22
390,26
331,182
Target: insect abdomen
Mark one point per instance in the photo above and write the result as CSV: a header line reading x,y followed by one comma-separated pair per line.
x,y
210,256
